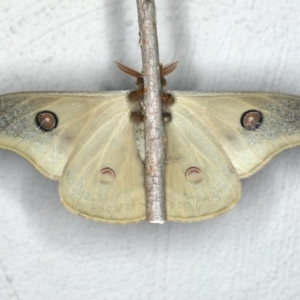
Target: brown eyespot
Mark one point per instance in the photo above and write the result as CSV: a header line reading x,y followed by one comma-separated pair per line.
x,y
46,120
107,175
194,174
251,119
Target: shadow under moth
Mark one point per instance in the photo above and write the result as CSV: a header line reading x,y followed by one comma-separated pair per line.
x,y
93,144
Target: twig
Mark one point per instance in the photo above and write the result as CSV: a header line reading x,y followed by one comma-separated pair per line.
x,y
154,132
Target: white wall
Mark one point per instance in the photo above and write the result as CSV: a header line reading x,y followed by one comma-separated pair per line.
x,y
251,252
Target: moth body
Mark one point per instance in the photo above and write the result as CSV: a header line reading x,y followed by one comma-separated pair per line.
x,y
93,143
136,104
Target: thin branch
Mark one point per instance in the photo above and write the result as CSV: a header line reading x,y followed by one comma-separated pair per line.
x,y
154,132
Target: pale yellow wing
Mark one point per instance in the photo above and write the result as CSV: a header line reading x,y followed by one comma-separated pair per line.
x,y
49,151
104,179
248,150
93,131
200,181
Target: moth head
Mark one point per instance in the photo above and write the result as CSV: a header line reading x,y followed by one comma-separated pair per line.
x,y
164,71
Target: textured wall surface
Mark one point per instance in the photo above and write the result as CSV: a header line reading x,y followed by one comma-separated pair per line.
x,y
251,252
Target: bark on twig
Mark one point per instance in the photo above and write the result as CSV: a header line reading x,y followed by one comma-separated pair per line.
x,y
154,132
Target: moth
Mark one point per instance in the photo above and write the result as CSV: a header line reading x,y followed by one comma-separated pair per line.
x,y
93,144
